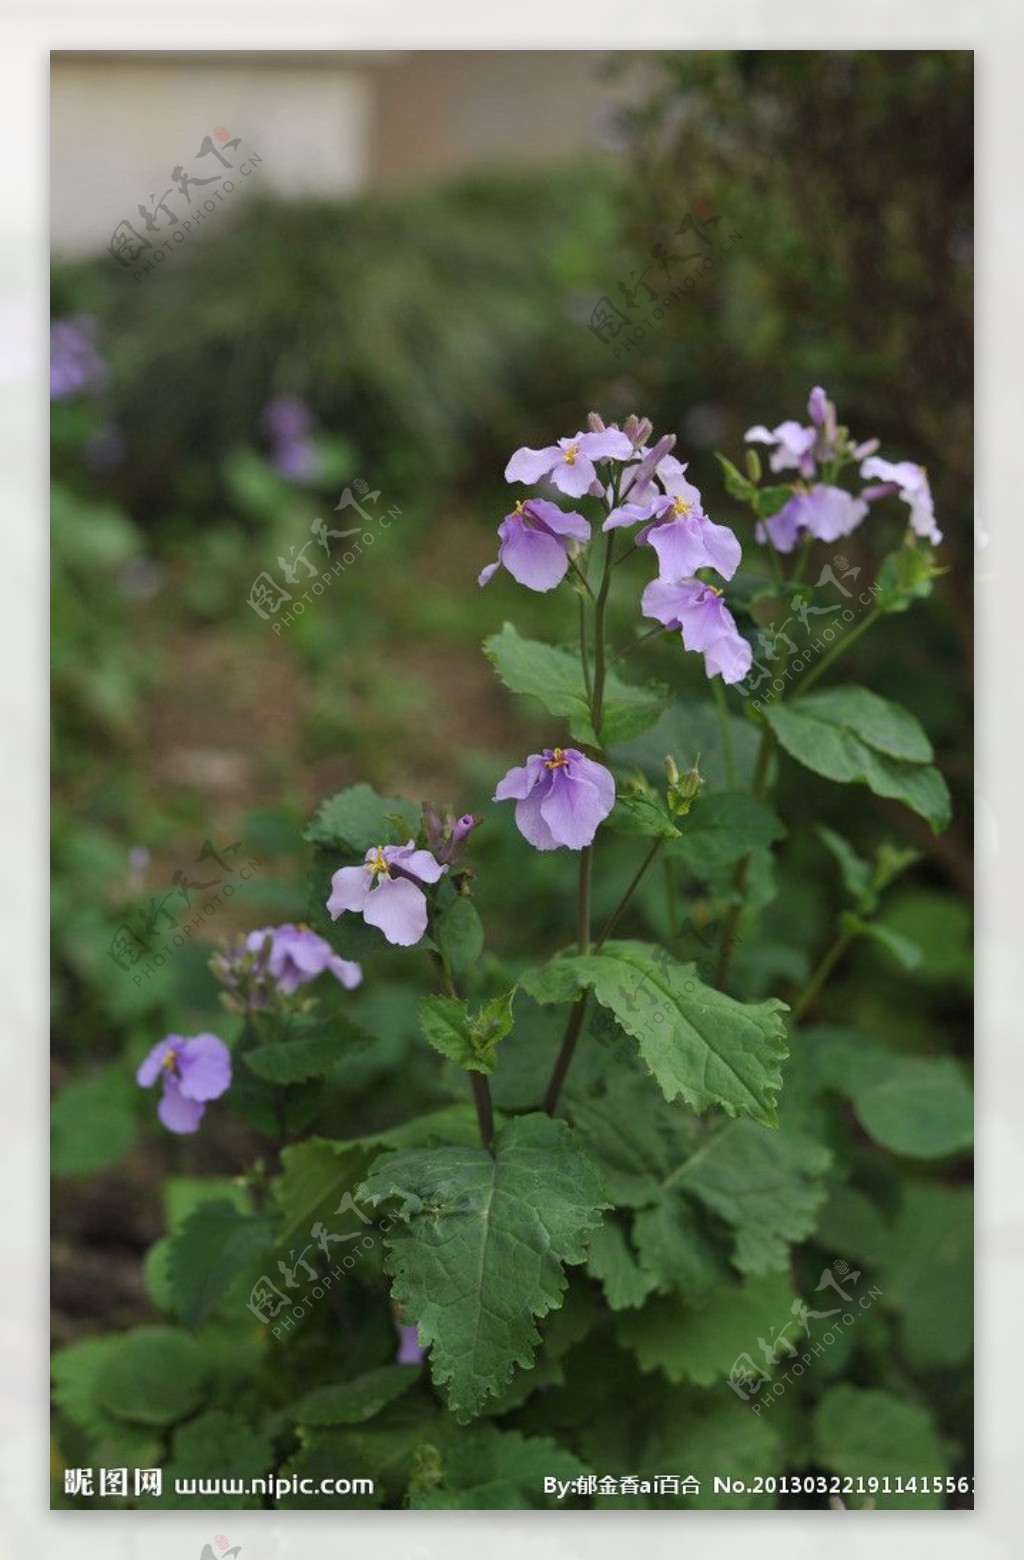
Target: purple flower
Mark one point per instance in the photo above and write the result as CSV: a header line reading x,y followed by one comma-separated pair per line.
x,y
386,891
288,423
911,482
409,1351
297,955
569,464
561,798
194,1070
792,443
75,364
535,544
706,622
287,417
822,511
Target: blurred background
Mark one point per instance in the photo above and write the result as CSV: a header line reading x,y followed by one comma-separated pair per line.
x,y
424,261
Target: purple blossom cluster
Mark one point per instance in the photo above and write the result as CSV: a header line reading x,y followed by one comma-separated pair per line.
x,y
641,485
288,424
76,365
819,508
275,961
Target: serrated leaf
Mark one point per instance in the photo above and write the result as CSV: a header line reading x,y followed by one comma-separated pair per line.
x,y
702,1345
852,736
154,1376
483,1245
353,1402
767,1185
674,1249
491,1470
722,828
467,1037
357,818
77,1370
317,1173
697,1043
217,1440
555,677
614,1265
212,1248
865,1433
459,933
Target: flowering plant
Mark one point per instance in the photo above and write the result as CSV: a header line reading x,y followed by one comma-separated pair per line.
x,y
626,1145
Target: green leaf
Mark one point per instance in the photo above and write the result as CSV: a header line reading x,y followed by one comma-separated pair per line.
x,y
214,1441
613,1264
154,1376
311,1056
722,828
906,953
317,1173
638,811
920,1106
702,1433
850,735
857,874
698,1043
905,577
471,1039
357,818
736,484
927,1274
213,1247
353,1402
490,1470
691,732
555,677
675,1251
865,1433
460,935
483,1245
771,499
703,1345
767,1185
93,1122
77,1371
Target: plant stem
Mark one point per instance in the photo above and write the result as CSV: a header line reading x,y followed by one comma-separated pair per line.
x,y
484,1109
728,751
574,566
565,1054
612,921
583,899
584,657
810,992
728,940
802,557
597,697
836,650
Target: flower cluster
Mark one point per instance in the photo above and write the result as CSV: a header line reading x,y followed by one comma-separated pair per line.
x,y
819,508
288,422
276,961
640,485
76,366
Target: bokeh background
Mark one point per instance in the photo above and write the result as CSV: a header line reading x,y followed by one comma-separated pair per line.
x,y
400,292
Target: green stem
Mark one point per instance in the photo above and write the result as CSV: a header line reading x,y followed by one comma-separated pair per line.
x,y
612,921
583,899
567,1049
574,566
597,699
636,643
727,944
801,562
728,752
670,895
484,1108
694,1158
584,658
837,649
830,960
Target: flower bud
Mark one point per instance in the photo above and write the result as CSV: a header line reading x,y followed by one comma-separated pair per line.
x,y
682,788
595,422
753,466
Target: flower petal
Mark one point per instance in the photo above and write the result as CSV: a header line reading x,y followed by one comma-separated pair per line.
x,y
416,863
399,909
572,810
530,466
152,1066
609,444
346,971
530,820
349,888
485,574
519,781
534,558
599,777
178,1113
205,1066
560,521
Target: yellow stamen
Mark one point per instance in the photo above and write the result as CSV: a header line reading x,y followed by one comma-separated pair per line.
x,y
520,508
377,861
570,453
168,1061
558,760
681,506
